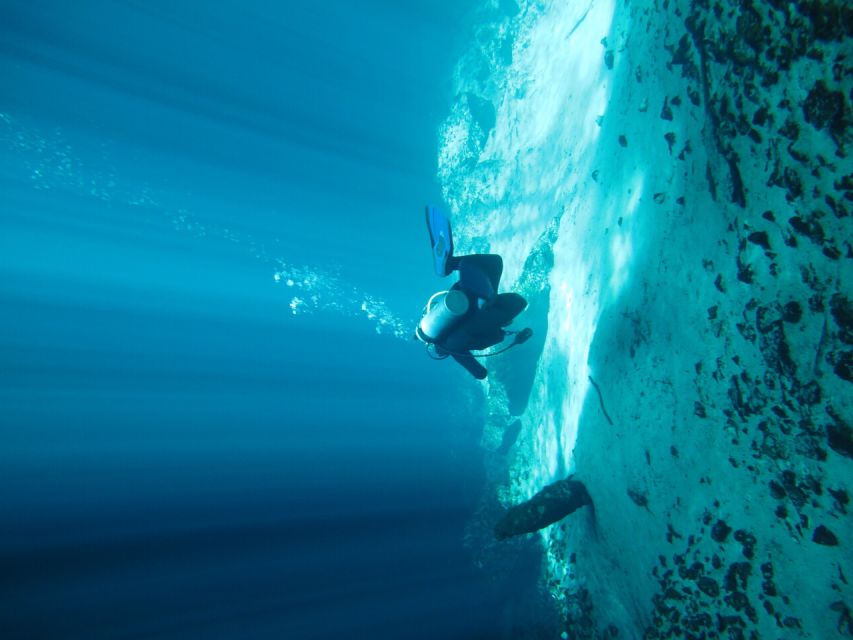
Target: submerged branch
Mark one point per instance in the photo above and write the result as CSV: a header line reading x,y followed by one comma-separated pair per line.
x,y
601,400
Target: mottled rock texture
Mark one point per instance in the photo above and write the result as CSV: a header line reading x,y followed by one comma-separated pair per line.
x,y
727,470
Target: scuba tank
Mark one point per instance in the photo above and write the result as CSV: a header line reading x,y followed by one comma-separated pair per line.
x,y
442,313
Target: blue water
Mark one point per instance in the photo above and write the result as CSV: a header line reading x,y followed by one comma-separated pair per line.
x,y
213,421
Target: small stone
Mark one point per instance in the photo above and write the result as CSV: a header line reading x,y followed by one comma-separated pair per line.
x,y
841,499
842,312
639,499
831,252
760,238
737,600
720,531
694,96
824,536
816,303
793,184
844,366
747,541
824,108
792,312
812,229
737,577
792,623
809,393
709,586
693,572
745,272
839,437
777,490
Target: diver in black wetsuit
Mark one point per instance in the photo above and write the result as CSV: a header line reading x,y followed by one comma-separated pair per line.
x,y
489,311
471,315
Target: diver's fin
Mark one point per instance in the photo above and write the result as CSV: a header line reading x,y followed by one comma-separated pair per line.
x,y
440,238
471,365
522,336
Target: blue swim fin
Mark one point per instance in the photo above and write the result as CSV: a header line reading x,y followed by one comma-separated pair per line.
x,y
441,239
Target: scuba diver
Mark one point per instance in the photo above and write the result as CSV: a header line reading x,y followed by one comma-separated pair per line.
x,y
471,315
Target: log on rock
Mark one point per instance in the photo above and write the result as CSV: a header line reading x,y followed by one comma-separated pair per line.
x,y
553,503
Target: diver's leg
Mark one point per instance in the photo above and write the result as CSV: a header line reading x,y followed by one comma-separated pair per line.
x,y
483,327
471,336
471,365
490,263
479,273
505,307
488,337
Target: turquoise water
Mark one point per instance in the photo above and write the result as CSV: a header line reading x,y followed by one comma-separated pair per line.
x,y
215,422
212,254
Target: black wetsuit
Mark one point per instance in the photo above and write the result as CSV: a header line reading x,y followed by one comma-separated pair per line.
x,y
488,312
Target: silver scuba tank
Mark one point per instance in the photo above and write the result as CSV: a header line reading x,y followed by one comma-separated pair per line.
x,y
442,312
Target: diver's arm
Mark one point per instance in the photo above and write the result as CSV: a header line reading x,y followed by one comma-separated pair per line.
x,y
471,364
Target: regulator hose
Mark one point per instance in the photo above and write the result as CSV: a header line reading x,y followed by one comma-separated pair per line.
x,y
520,338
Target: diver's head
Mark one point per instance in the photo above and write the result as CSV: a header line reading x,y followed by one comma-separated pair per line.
x,y
442,312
